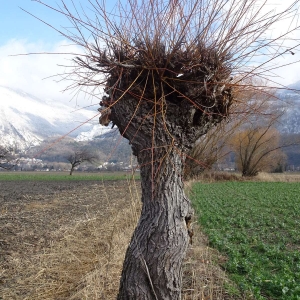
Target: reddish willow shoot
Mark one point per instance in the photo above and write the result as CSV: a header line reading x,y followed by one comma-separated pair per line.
x,y
170,70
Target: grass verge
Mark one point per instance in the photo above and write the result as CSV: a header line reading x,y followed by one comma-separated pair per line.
x,y
256,225
57,176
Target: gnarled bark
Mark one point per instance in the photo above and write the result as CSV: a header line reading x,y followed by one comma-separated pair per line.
x,y
160,138
152,267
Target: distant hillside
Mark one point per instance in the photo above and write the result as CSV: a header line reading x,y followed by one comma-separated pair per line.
x,y
290,122
26,120
113,145
292,152
108,147
30,124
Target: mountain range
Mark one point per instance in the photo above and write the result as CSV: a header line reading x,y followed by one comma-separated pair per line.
x,y
26,120
290,99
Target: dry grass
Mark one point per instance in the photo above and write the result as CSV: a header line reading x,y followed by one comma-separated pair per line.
x,y
278,177
203,279
211,176
82,258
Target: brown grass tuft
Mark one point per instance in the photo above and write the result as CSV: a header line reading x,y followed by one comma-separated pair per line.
x,y
211,176
278,177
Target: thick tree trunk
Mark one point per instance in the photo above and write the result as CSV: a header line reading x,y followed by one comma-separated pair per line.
x,y
153,262
71,171
160,134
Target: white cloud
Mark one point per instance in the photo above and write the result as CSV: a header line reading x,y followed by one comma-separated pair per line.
x,y
33,73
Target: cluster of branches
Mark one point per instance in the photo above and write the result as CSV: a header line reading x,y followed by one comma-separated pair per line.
x,y
211,148
173,51
258,145
257,149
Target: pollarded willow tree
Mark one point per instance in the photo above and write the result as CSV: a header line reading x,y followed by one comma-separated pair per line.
x,y
170,70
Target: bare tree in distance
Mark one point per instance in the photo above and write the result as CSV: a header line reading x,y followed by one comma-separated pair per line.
x,y
211,148
257,149
78,157
257,145
6,156
171,70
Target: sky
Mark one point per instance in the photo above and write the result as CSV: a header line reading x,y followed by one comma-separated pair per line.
x,y
21,33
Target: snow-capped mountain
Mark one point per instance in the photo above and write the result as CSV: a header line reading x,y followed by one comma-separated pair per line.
x,y
93,133
290,122
25,120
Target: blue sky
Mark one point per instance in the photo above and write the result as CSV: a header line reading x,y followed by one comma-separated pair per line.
x,y
17,24
22,33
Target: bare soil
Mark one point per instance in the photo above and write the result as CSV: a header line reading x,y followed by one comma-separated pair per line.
x,y
32,211
34,216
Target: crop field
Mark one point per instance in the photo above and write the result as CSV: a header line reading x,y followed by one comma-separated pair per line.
x,y
256,226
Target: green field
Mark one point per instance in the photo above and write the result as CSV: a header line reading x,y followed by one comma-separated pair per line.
x,y
257,226
64,176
